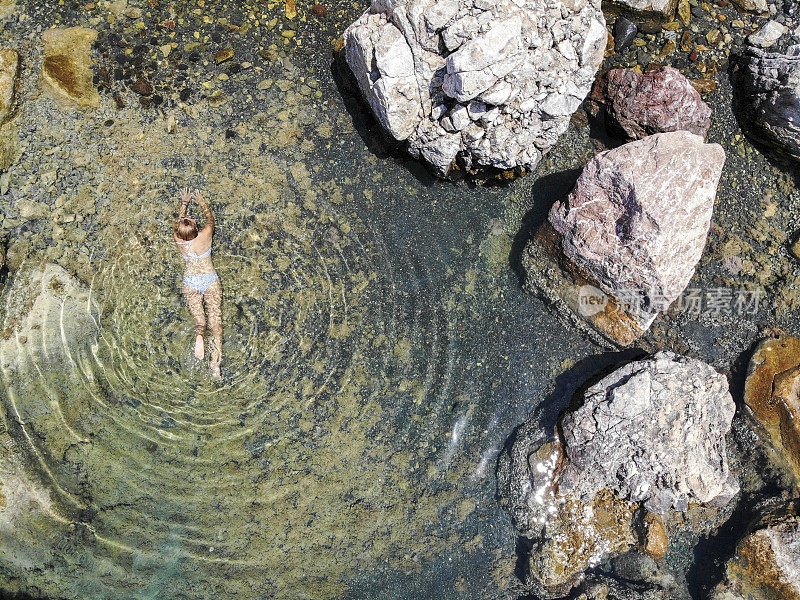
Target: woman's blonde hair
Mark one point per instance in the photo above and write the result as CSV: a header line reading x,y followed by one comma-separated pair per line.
x,y
185,229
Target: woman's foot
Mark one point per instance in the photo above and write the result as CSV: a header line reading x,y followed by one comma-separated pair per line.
x,y
215,372
199,347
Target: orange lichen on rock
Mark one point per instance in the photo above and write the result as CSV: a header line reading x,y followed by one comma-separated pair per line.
x,y
772,392
656,542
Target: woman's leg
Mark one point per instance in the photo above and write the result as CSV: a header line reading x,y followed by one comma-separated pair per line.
x,y
213,298
195,301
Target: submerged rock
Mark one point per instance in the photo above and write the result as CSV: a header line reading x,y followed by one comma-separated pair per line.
x,y
638,105
631,232
48,315
772,393
66,70
9,68
493,83
767,94
646,441
766,565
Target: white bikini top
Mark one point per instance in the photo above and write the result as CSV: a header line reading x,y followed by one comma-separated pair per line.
x,y
191,255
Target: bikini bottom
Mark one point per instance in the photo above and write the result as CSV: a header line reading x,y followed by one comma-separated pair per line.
x,y
200,282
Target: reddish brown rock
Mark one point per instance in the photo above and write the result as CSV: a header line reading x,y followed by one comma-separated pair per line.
x,y
772,392
637,105
634,227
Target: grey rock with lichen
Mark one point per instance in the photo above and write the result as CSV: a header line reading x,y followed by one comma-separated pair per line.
x,y
492,83
653,431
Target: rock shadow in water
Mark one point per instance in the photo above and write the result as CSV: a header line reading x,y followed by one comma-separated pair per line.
x,y
545,192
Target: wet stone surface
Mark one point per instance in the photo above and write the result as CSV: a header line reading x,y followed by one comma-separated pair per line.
x,y
379,348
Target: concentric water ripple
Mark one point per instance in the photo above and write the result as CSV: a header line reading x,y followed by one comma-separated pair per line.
x,y
331,346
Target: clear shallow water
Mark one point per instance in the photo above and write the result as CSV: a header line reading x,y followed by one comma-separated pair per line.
x,y
378,349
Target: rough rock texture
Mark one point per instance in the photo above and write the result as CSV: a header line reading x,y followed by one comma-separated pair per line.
x,y
653,431
650,435
66,70
767,95
772,392
9,68
766,565
751,5
769,33
638,105
493,83
661,9
637,220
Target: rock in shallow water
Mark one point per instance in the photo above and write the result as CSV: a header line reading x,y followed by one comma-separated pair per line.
x,y
518,70
766,565
772,393
648,438
634,226
638,105
66,70
653,431
767,94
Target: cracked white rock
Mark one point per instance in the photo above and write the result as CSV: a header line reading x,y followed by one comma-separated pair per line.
x,y
653,431
518,67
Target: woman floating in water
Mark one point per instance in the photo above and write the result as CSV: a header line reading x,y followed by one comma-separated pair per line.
x,y
200,280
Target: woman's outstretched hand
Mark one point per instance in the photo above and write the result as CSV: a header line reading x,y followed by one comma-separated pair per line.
x,y
186,195
198,197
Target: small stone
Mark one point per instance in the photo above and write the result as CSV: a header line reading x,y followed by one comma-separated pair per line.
x,y
319,11
166,49
757,6
685,12
796,249
687,43
142,87
704,85
769,33
290,9
624,33
656,542
222,55
713,36
660,9
669,47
